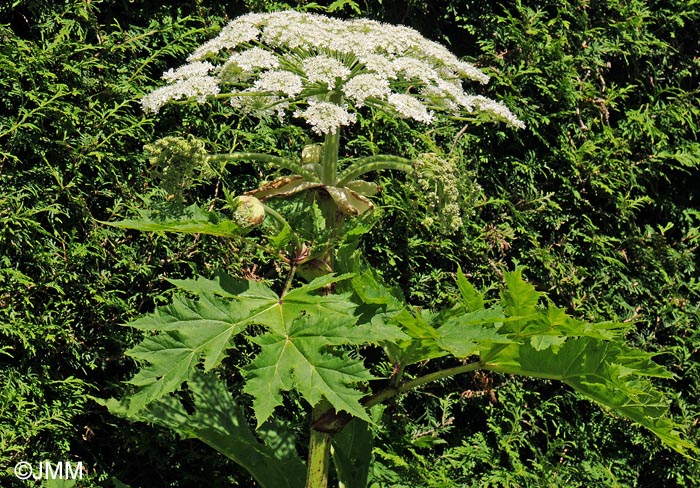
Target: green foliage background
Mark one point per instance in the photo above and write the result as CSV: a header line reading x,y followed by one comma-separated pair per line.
x,y
598,197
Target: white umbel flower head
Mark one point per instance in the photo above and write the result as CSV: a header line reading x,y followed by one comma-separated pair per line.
x,y
280,81
188,71
323,70
409,107
497,110
251,60
368,85
239,31
199,87
326,117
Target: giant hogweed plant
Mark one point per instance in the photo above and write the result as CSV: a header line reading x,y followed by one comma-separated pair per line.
x,y
308,334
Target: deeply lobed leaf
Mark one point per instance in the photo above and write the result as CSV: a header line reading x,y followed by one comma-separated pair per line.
x,y
296,351
300,359
608,373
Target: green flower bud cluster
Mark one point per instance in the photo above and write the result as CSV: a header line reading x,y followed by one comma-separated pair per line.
x,y
439,192
177,163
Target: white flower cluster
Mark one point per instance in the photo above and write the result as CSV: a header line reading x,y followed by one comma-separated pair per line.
x,y
243,63
325,70
303,63
326,117
197,86
368,85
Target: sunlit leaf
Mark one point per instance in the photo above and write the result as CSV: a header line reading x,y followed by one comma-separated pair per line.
x,y
471,298
464,335
186,220
299,358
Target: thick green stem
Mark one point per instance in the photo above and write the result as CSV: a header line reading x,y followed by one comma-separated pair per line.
x,y
331,147
387,393
329,160
374,163
290,276
318,463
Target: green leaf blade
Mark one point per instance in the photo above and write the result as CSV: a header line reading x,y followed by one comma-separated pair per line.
x,y
300,359
466,334
471,298
608,373
187,220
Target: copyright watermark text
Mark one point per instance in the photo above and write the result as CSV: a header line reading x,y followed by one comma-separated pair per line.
x,y
47,470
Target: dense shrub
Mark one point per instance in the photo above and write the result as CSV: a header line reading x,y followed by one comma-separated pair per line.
x,y
597,197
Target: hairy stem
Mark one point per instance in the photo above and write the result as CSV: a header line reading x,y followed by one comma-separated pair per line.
x,y
290,277
329,161
280,162
374,163
318,463
389,392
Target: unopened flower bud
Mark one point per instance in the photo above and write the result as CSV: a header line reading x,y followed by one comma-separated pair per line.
x,y
249,211
311,154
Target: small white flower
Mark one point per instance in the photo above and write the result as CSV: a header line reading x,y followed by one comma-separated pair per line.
x,y
453,93
324,69
251,59
410,107
470,71
188,71
437,97
364,86
497,110
443,57
235,33
251,102
280,81
326,117
378,64
197,86
411,68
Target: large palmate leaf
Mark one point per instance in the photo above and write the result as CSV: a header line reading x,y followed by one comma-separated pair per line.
x,y
193,331
609,373
527,335
382,306
198,332
219,421
299,357
186,220
523,316
421,343
464,335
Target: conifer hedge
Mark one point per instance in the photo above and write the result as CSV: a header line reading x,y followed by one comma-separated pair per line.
x,y
598,197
